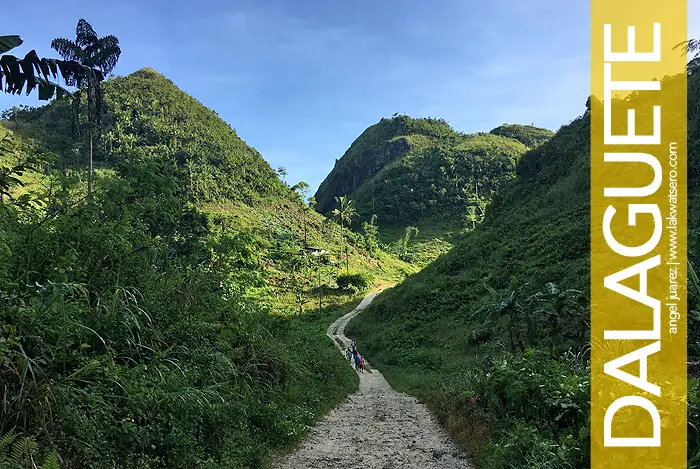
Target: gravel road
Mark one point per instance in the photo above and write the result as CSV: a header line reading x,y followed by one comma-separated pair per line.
x,y
376,428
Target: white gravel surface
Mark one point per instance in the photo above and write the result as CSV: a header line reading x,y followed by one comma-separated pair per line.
x,y
376,428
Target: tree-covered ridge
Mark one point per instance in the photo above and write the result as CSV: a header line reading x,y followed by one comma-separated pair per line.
x,y
377,146
155,116
528,135
452,177
422,176
147,117
403,169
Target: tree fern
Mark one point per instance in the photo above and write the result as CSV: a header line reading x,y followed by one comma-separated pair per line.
x,y
22,453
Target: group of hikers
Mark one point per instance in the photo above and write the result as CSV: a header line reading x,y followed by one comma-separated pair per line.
x,y
355,358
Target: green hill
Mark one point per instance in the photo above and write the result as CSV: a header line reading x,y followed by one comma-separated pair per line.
x,y
402,169
378,146
458,332
145,116
443,178
422,173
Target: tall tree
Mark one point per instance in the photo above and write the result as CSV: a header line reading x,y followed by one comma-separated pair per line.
x,y
370,234
26,75
96,53
301,189
344,212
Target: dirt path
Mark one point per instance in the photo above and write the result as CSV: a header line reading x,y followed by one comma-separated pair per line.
x,y
376,428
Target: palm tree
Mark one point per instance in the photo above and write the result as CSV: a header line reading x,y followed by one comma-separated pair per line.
x,y
34,73
95,52
344,212
691,49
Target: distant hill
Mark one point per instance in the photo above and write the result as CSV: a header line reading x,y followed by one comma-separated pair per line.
x,y
423,173
440,177
528,135
378,146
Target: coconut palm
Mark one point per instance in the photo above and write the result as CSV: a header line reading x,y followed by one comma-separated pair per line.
x,y
95,52
344,212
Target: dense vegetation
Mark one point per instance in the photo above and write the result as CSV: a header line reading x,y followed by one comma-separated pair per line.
x,y
422,173
378,146
147,117
494,334
126,339
169,319
446,178
528,135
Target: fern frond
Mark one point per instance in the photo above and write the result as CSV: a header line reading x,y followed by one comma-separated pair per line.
x,y
23,451
51,462
5,444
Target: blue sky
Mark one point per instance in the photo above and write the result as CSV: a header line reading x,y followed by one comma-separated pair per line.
x,y
299,79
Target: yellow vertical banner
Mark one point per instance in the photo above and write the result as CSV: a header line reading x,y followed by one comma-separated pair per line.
x,y
638,234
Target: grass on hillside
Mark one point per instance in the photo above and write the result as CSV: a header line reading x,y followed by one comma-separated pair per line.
x,y
206,380
422,173
436,236
285,221
194,357
484,338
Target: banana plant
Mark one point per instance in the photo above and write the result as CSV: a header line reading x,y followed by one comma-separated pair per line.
x,y
557,304
508,305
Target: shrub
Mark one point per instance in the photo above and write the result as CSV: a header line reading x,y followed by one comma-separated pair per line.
x,y
361,281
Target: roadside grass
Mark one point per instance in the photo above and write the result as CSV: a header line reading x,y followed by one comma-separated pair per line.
x,y
507,416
